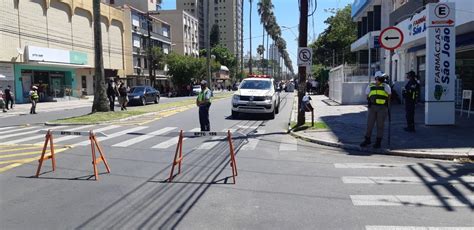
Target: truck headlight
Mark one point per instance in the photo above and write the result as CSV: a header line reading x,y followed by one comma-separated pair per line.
x,y
268,98
236,97
136,97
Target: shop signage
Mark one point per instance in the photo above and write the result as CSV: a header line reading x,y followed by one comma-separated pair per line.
x,y
357,6
415,27
41,54
440,62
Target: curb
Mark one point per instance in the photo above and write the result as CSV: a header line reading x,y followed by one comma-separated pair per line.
x,y
414,154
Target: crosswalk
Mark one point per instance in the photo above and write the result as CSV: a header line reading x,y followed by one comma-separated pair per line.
x,y
397,177
128,136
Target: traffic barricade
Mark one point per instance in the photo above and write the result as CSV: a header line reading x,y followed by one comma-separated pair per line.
x,y
94,145
178,156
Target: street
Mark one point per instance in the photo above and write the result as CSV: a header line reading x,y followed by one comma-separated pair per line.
x,y
282,182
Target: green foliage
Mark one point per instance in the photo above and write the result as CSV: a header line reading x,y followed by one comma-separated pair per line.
x,y
159,58
336,38
214,36
186,69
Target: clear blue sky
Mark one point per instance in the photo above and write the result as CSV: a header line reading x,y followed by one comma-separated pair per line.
x,y
287,14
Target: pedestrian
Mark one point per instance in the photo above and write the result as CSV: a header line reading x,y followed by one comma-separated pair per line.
x,y
378,96
123,96
112,93
34,97
411,94
2,102
203,101
8,97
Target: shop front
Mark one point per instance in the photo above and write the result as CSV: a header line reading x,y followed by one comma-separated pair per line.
x,y
53,71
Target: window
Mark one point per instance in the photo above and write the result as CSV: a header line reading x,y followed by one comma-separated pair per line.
x,y
112,1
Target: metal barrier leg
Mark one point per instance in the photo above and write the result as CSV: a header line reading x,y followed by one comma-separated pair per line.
x,y
101,152
45,146
94,163
179,150
232,156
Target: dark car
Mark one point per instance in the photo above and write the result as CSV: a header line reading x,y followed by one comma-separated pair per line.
x,y
143,94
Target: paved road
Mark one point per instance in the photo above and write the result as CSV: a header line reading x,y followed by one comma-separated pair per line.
x,y
283,183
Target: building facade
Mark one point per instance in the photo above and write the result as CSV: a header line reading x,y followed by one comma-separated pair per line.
x,y
227,14
185,31
50,44
142,5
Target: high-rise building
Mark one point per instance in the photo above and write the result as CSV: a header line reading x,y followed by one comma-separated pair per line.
x,y
225,13
274,53
186,39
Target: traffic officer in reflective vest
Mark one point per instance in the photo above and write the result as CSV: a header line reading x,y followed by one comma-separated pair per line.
x,y
378,96
34,97
203,101
411,93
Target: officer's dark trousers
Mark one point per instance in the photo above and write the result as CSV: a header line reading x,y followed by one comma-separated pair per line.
x,y
377,114
112,102
33,106
7,101
204,117
410,114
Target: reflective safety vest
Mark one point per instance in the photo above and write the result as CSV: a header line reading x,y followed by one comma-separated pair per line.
x,y
202,95
34,95
377,95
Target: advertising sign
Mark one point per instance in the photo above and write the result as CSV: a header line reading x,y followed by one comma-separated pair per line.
x,y
440,62
415,27
41,54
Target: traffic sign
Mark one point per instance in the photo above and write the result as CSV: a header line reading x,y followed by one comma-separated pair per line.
x,y
391,38
305,56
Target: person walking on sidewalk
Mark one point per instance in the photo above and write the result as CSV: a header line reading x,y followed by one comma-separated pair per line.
x,y
8,97
123,96
411,93
112,93
203,101
378,96
34,97
2,102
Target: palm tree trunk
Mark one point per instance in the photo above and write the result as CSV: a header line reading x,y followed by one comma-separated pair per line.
x,y
267,56
263,46
242,37
100,103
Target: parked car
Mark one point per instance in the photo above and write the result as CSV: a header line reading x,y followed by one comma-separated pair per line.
x,y
196,89
143,94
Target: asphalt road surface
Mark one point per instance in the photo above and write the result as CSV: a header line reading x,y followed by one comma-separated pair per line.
x,y
282,183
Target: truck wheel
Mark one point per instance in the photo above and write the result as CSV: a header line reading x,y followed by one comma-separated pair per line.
x,y
272,115
235,115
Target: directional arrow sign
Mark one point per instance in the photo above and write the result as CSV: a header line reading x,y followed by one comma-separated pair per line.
x,y
391,38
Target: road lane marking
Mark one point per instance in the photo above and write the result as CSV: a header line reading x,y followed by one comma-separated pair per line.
x,y
404,200
253,141
27,160
65,138
381,227
378,165
16,149
113,135
288,143
25,154
405,180
29,132
6,128
172,141
19,130
144,137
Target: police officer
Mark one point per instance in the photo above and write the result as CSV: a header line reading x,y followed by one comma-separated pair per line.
x,y
34,97
411,93
203,101
378,96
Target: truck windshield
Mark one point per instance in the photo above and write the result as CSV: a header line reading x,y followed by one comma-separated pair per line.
x,y
255,84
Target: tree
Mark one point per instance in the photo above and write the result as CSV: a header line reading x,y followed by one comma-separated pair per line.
x,y
186,69
100,103
261,51
214,36
158,57
250,31
336,39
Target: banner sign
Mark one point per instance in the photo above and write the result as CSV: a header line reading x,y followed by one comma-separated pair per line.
x,y
71,133
41,54
440,62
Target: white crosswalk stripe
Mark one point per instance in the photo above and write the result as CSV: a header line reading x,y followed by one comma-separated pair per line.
x,y
253,141
407,200
288,144
172,141
29,132
377,165
381,227
144,137
110,136
404,180
214,141
6,128
42,135
18,130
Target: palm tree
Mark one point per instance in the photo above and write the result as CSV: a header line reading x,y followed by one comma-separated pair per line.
x,y
250,31
261,51
100,103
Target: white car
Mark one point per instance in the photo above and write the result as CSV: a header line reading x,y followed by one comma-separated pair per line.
x,y
256,95
196,89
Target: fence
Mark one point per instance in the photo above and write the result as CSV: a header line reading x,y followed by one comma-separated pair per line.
x,y
347,84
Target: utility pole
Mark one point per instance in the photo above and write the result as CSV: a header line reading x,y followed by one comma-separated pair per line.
x,y
150,58
242,37
250,31
208,46
302,42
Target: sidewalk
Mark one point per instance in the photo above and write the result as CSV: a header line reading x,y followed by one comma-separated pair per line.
x,y
347,125
64,104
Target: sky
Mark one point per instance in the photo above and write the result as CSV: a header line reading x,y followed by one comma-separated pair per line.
x,y
287,14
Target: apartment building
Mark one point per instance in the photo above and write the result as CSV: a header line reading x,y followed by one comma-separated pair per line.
x,y
142,5
50,44
225,13
185,31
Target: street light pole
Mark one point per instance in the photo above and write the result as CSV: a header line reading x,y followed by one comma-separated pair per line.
x,y
303,42
208,47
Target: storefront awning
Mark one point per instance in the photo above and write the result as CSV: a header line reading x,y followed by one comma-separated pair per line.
x,y
363,42
63,65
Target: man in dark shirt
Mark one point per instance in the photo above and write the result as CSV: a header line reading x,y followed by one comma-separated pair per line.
x,y
8,97
411,93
